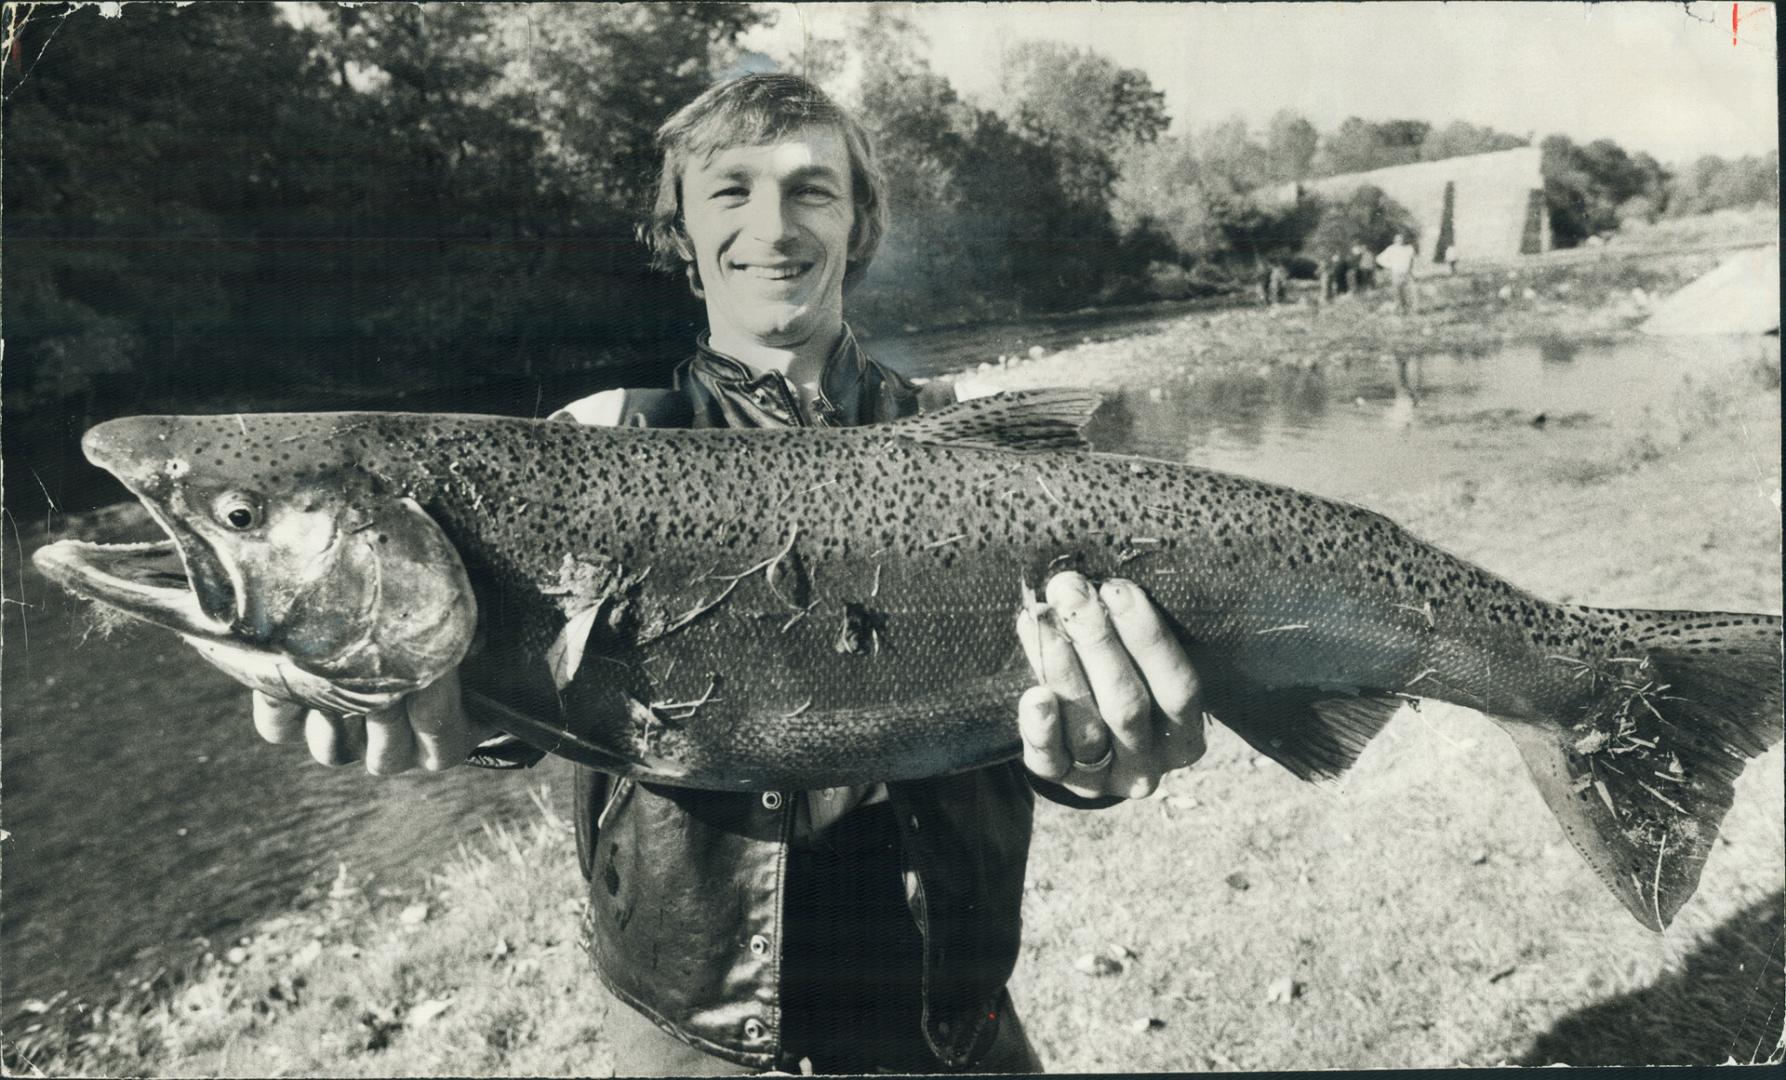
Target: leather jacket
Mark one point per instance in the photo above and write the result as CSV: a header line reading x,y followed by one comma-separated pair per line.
x,y
686,886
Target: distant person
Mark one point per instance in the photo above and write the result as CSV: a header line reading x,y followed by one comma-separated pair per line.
x,y
1367,267
1333,276
1279,282
1263,275
1398,259
1451,258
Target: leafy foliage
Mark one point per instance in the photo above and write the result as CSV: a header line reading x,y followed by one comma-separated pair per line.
x,y
1584,186
1713,183
1365,216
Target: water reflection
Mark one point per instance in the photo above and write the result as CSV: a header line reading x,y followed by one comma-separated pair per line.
x,y
1419,418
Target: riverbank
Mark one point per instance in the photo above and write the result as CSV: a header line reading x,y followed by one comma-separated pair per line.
x,y
1426,912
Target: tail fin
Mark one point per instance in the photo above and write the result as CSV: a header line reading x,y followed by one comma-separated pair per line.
x,y
1643,779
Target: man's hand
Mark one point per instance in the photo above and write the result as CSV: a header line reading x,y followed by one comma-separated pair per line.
x,y
1118,703
428,728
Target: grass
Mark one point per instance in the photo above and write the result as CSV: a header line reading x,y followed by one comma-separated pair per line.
x,y
1426,911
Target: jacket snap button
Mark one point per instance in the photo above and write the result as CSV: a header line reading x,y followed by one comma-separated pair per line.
x,y
759,945
753,1029
914,823
772,800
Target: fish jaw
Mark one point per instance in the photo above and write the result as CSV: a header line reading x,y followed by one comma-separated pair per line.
x,y
136,579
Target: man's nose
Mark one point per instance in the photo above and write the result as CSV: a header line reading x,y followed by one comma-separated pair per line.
x,y
769,219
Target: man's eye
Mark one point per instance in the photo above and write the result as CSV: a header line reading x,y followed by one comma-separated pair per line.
x,y
815,194
733,192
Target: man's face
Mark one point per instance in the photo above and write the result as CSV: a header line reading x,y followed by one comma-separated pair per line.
x,y
770,227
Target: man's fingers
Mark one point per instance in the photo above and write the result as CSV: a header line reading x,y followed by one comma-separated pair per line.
x,y
1044,743
1171,680
1056,664
334,740
443,734
1121,695
278,721
390,744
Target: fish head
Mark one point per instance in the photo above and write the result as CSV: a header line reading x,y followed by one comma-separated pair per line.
x,y
287,556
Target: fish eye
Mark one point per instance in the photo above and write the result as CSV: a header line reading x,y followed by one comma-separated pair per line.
x,y
238,510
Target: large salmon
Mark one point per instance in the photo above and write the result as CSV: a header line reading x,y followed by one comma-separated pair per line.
x,y
806,608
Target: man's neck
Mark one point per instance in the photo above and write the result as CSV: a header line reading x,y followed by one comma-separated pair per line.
x,y
801,363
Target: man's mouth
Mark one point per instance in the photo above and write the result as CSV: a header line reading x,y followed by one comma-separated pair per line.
x,y
772,271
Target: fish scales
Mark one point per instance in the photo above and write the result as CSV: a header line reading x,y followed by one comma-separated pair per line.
x,y
800,608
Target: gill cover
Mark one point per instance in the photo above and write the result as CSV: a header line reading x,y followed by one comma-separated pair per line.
x,y
392,610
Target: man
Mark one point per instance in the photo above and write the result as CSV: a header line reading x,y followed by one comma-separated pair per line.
x,y
1398,259
852,929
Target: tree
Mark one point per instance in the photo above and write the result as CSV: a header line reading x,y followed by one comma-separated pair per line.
x,y
1714,183
1361,145
1364,216
1290,145
1584,186
1229,159
600,78
1461,139
1082,107
1162,190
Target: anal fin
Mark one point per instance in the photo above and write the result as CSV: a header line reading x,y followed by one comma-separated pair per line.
x,y
1316,734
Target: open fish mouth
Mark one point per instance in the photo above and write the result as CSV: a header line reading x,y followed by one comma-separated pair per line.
x,y
179,583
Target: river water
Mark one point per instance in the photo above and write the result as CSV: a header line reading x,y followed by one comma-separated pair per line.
x,y
144,813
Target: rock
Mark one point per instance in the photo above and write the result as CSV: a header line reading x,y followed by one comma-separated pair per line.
x,y
1036,351
1530,293
1480,857
237,955
1119,952
414,915
424,1013
1283,991
1156,394
307,955
1238,882
1141,1025
1097,965
1505,292
1740,296
1182,802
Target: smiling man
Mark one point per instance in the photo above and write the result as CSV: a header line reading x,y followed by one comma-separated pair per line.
x,y
850,929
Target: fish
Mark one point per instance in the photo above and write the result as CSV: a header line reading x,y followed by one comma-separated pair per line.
x,y
805,608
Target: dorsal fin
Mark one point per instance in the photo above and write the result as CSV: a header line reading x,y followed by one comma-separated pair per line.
x,y
1017,420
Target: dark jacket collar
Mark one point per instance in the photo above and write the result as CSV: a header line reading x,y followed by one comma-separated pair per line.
x,y
840,379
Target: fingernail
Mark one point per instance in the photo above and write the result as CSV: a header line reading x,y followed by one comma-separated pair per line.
x,y
1118,596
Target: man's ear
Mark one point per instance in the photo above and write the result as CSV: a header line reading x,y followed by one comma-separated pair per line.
x,y
694,279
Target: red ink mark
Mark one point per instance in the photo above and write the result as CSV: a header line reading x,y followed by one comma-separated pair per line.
x,y
992,1016
1733,22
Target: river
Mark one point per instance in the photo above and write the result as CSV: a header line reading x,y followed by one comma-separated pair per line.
x,y
144,813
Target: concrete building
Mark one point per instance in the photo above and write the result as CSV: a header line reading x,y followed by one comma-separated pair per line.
x,y
1488,204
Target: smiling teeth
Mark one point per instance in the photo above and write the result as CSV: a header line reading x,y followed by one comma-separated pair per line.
x,y
773,273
